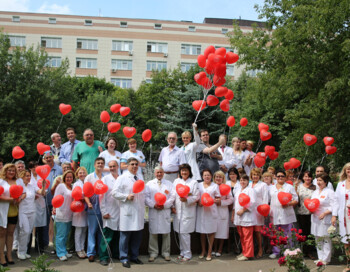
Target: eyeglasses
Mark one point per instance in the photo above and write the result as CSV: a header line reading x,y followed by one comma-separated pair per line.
x,y
133,164
89,135
171,138
280,176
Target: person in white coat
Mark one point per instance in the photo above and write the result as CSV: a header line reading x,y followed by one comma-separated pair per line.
x,y
207,216
79,220
132,213
282,216
133,153
27,213
222,204
262,196
185,211
244,218
321,218
190,150
226,153
110,216
111,154
159,215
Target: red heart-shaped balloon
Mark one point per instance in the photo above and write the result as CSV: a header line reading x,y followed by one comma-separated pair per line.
x,y
182,190
138,186
269,150
212,100
146,135
225,105
263,209
295,163
41,147
220,91
328,140
287,165
259,161
115,108
88,189
57,201
243,122
284,198
220,70
77,193
40,184
43,171
65,108
1,190
16,191
218,81
100,188
124,111
224,189
231,121
104,116
331,150
199,105
113,127
263,126
243,199
312,204
207,200
265,135
274,156
231,57
160,198
201,60
229,95
77,206
129,131
17,152
221,51
309,139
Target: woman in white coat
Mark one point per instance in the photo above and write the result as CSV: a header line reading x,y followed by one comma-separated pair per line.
x,y
321,218
262,196
244,218
27,212
207,217
222,204
185,208
282,216
79,220
111,153
133,153
190,150
342,207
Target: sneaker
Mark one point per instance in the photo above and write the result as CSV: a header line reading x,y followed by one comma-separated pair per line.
x,y
242,258
63,258
167,258
213,253
218,254
151,259
28,256
81,255
240,255
68,255
21,256
184,260
272,256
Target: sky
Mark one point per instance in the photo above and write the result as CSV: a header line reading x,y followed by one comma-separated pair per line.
x,y
176,10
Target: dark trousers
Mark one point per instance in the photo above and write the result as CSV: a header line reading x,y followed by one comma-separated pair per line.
x,y
304,222
132,239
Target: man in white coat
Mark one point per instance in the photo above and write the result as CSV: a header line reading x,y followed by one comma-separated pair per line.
x,y
132,212
159,215
110,215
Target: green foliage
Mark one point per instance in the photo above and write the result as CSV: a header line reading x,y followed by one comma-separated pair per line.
x,y
4,269
41,264
304,52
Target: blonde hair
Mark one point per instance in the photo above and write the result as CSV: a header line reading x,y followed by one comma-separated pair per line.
x,y
186,133
23,173
342,175
255,171
81,168
5,168
220,173
66,173
250,142
268,174
271,168
236,139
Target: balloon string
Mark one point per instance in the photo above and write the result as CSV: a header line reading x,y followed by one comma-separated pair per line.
x,y
324,156
39,158
103,124
143,145
239,131
302,165
59,123
259,143
124,145
200,109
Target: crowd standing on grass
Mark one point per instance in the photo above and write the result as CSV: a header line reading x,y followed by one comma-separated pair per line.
x,y
110,225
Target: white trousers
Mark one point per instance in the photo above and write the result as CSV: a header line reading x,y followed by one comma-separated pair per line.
x,y
185,245
153,245
24,232
324,248
79,238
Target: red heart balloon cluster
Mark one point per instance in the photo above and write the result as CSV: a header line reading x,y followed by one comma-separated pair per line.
x,y
293,163
129,131
65,108
138,186
77,193
224,189
243,199
88,189
160,198
100,188
146,135
41,147
264,209
328,141
17,152
43,171
230,121
270,151
309,139
115,108
199,105
312,204
40,184
207,200
16,191
182,190
264,133
57,201
77,206
284,198
113,127
243,122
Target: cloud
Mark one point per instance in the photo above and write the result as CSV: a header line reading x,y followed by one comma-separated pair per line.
x,y
14,5
54,8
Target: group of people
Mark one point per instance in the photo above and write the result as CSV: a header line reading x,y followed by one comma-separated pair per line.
x,y
114,221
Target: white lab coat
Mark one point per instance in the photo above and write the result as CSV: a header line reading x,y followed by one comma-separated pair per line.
x,y
224,216
207,217
248,218
329,185
190,154
64,213
138,156
26,212
327,200
79,218
262,197
278,214
234,191
237,160
132,213
185,217
4,205
339,209
108,157
110,205
160,220
40,205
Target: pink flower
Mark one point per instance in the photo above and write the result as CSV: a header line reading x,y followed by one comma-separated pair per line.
x,y
300,231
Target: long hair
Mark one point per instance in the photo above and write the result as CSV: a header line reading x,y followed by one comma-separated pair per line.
x,y
343,175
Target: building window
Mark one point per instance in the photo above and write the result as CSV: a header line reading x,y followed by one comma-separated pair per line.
x,y
157,47
123,24
156,65
52,20
122,46
87,63
148,80
17,41
16,19
254,73
224,30
51,42
54,62
87,44
228,49
122,64
185,67
190,49
230,71
121,82
157,26
192,28
88,22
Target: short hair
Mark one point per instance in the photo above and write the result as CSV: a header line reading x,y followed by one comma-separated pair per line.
x,y
267,174
172,132
250,142
281,171
111,139
324,177
245,177
325,169
65,175
206,170
70,128
158,168
66,163
221,174
255,171
307,173
99,159
186,133
53,135
132,141
113,160
32,164
81,168
233,170
289,172
88,129
5,168
271,168
131,159
241,171
19,162
203,130
185,166
23,173
242,140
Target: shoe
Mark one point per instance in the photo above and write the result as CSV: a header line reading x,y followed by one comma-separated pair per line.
x,y
3,265
240,255
81,255
242,258
21,256
272,256
200,256
104,262
137,261
68,255
167,258
213,253
63,258
91,258
28,256
218,254
184,260
9,262
208,258
126,264
179,258
53,252
84,253
151,259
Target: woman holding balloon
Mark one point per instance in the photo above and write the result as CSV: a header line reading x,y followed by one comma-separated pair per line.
x,y
187,196
8,212
321,205
207,214
61,208
283,201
